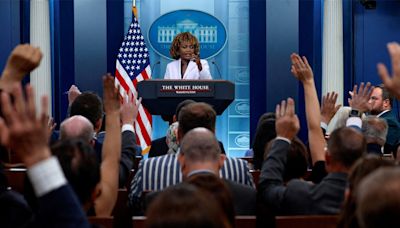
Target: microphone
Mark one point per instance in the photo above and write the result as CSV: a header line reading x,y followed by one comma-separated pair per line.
x,y
216,66
152,67
195,57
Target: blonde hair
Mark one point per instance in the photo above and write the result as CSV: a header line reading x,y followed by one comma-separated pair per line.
x,y
179,39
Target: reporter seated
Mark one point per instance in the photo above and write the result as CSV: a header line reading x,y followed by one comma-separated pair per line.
x,y
169,170
362,168
168,144
378,201
78,160
345,146
27,135
200,155
375,130
89,105
296,161
96,185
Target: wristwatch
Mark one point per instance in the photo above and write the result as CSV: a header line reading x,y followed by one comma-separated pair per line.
x,y
355,113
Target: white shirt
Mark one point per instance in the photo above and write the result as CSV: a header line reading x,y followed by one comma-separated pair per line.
x,y
46,176
383,112
192,72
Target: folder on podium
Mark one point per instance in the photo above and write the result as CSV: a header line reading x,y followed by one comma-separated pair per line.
x,y
161,97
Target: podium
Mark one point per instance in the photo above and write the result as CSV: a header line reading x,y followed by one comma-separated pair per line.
x,y
161,97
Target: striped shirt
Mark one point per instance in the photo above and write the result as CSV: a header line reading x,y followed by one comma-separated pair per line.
x,y
157,173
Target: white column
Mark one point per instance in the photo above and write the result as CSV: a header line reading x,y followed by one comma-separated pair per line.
x,y
332,49
40,37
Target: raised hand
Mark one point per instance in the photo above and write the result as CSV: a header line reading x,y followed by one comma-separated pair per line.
x,y
329,107
111,150
129,110
287,124
359,98
51,125
22,60
301,69
303,72
110,95
22,130
73,92
391,83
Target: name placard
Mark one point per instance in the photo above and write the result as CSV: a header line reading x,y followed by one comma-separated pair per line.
x,y
198,89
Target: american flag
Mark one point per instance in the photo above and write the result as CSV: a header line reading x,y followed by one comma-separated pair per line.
x,y
133,66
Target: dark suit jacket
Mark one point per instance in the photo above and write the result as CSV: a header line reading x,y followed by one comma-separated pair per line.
x,y
128,153
14,210
298,196
60,208
318,172
393,134
375,149
244,197
159,147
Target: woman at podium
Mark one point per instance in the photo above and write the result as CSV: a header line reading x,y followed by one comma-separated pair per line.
x,y
185,49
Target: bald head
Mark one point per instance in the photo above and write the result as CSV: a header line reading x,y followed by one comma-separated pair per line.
x,y
200,145
200,150
77,127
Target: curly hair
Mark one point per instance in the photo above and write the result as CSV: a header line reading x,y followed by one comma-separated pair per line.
x,y
179,39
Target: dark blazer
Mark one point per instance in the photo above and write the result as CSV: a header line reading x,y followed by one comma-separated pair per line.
x,y
14,210
393,134
159,147
375,149
318,172
128,153
298,197
60,208
244,198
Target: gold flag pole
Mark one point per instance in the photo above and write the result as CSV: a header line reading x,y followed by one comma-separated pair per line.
x,y
134,10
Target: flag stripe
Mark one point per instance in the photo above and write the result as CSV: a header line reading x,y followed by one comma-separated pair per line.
x,y
125,79
144,74
142,124
139,136
122,83
143,113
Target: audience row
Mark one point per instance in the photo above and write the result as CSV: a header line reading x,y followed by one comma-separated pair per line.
x,y
188,180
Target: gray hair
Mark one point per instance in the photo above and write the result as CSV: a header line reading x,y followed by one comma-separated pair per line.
x,y
375,129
